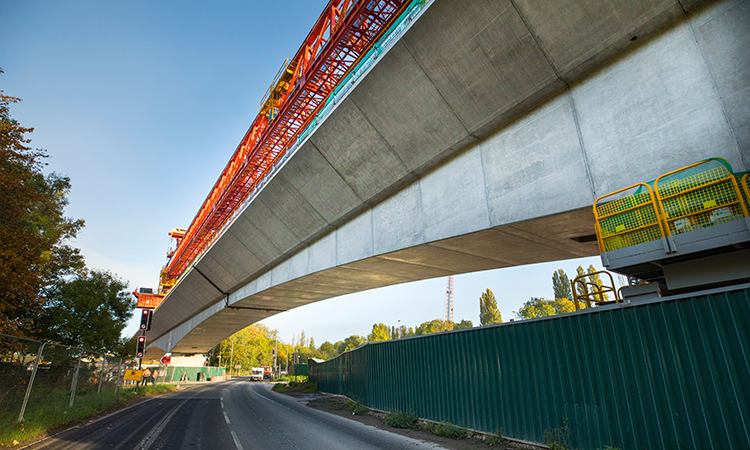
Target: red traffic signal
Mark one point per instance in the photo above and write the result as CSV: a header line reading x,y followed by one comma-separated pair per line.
x,y
146,319
141,348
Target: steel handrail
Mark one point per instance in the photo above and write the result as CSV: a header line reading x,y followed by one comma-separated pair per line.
x,y
600,237
660,199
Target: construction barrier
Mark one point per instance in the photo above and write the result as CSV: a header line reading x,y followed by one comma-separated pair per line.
x,y
672,374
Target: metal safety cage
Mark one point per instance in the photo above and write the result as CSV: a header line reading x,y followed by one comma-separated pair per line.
x,y
708,197
629,220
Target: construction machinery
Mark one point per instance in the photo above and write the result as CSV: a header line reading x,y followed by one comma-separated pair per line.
x,y
687,230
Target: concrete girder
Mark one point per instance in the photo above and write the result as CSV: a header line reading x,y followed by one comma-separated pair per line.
x,y
381,189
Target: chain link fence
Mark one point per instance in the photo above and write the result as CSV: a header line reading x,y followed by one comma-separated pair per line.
x,y
40,378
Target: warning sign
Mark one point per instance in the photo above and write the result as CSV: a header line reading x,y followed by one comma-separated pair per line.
x,y
133,375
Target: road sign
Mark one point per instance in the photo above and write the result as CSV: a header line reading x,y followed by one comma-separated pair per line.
x,y
165,360
133,375
237,366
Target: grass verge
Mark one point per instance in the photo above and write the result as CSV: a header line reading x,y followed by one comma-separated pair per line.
x,y
293,386
447,430
48,411
400,419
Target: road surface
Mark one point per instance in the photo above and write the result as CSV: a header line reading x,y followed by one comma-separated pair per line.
x,y
234,415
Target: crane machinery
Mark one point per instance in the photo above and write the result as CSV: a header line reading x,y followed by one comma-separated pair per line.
x,y
449,303
343,35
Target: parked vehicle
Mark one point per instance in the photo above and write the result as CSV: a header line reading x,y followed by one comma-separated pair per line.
x,y
256,374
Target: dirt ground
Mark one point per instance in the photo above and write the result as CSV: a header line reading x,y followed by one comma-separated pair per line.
x,y
339,405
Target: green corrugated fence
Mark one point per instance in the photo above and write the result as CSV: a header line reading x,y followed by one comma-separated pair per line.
x,y
673,374
174,374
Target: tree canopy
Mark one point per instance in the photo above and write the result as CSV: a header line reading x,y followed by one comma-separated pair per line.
x,y
379,333
561,285
45,290
88,310
542,307
488,312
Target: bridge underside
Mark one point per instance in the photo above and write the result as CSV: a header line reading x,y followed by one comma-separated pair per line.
x,y
479,140
545,239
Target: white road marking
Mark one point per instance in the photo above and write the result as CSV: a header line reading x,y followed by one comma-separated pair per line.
x,y
226,417
236,441
150,438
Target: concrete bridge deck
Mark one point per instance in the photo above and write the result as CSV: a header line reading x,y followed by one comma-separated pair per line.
x,y
478,141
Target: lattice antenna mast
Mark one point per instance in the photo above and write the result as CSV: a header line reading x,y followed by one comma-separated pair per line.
x,y
449,301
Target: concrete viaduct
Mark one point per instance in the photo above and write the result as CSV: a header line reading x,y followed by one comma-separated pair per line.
x,y
479,140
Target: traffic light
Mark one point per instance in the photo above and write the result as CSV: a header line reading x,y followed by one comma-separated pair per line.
x,y
146,319
141,347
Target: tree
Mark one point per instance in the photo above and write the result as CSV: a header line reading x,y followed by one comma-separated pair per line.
x,y
327,350
429,327
33,227
312,344
252,348
464,324
542,307
596,279
380,333
561,285
488,312
88,310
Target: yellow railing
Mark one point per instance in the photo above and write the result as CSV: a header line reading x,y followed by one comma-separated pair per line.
x,y
593,293
628,220
705,199
673,206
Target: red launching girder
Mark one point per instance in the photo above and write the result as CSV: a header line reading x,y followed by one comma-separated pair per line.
x,y
345,31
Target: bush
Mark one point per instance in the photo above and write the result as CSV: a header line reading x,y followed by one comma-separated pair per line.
x,y
447,430
558,438
358,408
400,419
293,386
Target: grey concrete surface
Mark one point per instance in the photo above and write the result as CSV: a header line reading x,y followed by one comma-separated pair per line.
x,y
479,141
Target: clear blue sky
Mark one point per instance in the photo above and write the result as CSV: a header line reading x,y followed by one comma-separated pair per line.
x,y
141,104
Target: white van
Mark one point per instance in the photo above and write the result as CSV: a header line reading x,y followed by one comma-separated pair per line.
x,y
256,374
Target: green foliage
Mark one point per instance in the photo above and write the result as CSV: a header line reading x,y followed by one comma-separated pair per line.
x,y
496,439
357,408
252,348
463,325
447,430
488,312
400,419
293,386
542,307
349,343
429,327
33,227
561,285
51,411
88,310
379,333
558,438
327,351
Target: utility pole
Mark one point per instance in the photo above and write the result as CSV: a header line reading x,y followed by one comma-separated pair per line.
x,y
399,328
231,359
275,357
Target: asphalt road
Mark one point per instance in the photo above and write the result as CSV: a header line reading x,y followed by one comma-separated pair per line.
x,y
234,415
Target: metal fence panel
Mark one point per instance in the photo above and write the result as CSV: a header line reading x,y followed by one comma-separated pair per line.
x,y
664,375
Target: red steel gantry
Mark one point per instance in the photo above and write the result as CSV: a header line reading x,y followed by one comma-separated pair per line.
x,y
342,35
